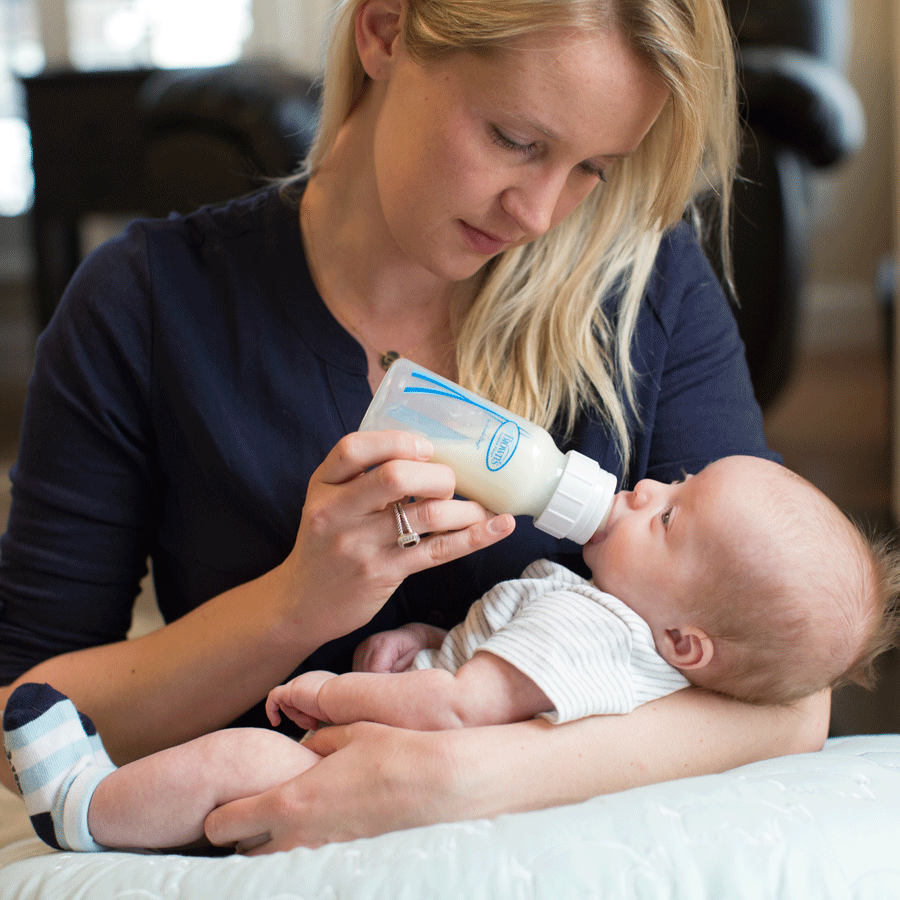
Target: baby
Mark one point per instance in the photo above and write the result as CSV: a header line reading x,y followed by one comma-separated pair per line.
x,y
743,579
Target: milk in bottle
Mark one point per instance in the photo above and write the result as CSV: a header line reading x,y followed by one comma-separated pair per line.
x,y
506,463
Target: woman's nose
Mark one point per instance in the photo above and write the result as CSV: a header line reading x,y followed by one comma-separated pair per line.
x,y
533,203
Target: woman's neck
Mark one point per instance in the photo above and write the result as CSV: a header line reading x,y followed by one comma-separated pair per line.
x,y
386,301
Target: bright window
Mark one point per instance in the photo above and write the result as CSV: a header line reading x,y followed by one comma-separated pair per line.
x,y
105,34
20,54
166,33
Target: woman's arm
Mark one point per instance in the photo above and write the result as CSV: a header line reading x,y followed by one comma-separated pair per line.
x,y
206,668
375,779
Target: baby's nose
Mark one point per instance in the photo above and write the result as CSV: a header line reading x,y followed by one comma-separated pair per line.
x,y
643,492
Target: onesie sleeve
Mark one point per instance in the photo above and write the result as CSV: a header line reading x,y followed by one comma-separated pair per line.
x,y
83,487
586,653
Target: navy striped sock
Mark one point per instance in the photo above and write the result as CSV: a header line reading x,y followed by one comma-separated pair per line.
x,y
58,760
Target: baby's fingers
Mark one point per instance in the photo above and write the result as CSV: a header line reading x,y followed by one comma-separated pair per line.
x,y
273,704
306,722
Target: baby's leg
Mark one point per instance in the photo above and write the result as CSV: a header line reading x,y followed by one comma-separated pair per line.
x,y
163,800
62,772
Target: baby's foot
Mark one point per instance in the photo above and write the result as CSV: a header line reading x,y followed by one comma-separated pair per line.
x,y
58,760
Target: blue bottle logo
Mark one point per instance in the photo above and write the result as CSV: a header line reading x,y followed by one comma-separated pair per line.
x,y
505,439
503,445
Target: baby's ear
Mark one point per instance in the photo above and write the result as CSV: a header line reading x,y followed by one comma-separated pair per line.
x,y
688,647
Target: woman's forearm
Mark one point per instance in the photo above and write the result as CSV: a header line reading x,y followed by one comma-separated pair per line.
x,y
533,764
215,662
190,677
375,779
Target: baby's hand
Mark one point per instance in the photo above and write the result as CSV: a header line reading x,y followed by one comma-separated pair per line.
x,y
393,651
299,700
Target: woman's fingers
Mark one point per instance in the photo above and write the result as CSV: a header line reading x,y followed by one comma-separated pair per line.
x,y
371,779
367,472
401,478
358,452
346,560
446,545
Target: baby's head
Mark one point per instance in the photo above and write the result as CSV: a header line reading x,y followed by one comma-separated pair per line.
x,y
752,581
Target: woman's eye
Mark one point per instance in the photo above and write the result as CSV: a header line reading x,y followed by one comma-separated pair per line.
x,y
507,143
597,173
503,140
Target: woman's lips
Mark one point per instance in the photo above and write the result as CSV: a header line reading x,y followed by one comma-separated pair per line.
x,y
482,242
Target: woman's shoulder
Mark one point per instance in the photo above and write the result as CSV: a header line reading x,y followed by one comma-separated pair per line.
x,y
171,278
263,215
262,210
682,275
251,219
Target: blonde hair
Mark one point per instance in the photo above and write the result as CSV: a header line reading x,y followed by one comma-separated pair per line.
x,y
539,338
811,606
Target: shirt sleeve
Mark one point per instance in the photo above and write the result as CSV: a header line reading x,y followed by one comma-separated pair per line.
x,y
586,661
83,484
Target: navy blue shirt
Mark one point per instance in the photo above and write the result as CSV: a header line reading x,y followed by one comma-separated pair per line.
x,y
192,380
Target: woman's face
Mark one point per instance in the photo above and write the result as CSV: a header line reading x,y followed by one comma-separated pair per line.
x,y
479,153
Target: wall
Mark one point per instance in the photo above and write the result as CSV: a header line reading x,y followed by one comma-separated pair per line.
x,y
852,205
894,82
292,29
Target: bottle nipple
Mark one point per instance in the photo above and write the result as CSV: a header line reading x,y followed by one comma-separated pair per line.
x,y
581,502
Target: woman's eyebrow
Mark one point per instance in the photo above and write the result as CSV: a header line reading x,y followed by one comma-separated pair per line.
x,y
549,133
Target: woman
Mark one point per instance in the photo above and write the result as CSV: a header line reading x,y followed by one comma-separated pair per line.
x,y
206,375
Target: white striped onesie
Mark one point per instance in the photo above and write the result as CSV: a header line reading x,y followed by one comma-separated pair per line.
x,y
585,649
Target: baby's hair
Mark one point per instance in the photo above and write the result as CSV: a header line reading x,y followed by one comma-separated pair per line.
x,y
882,630
811,607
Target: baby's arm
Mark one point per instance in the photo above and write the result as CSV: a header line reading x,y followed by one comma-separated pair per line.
x,y
486,690
394,651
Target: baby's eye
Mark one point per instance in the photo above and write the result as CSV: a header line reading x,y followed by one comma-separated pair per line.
x,y
665,516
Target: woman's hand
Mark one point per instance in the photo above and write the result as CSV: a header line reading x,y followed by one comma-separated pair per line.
x,y
346,561
372,779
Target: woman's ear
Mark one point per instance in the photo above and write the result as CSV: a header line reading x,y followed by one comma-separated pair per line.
x,y
688,647
378,27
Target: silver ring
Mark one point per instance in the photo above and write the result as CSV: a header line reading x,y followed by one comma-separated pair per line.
x,y
406,536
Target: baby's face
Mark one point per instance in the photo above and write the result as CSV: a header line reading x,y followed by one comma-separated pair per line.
x,y
648,556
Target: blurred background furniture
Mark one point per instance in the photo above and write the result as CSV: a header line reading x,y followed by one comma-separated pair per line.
x,y
214,134
801,114
157,141
87,158
150,142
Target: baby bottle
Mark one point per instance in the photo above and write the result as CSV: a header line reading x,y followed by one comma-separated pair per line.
x,y
507,464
